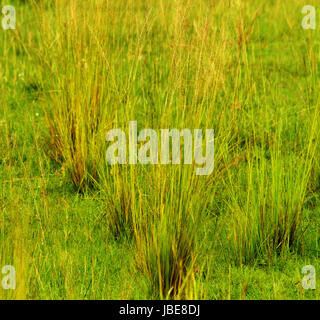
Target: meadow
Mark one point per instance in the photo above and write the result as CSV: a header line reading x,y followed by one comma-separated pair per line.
x,y
76,227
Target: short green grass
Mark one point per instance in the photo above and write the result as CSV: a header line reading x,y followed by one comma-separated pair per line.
x,y
76,228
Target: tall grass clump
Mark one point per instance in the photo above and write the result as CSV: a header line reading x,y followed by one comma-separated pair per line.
x,y
266,216
117,192
78,107
166,232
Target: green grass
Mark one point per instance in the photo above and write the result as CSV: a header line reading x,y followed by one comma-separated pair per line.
x,y
75,227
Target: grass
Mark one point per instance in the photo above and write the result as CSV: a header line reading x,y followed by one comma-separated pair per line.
x,y
75,227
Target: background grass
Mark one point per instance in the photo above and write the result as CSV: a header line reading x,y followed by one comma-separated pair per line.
x,y
76,228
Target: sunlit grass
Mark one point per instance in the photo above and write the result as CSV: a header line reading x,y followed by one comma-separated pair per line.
x,y
77,228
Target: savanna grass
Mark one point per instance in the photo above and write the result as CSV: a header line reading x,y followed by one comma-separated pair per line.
x,y
76,227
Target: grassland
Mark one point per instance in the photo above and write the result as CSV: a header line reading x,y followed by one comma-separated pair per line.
x,y
75,227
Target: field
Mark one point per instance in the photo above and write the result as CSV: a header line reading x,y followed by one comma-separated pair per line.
x,y
76,227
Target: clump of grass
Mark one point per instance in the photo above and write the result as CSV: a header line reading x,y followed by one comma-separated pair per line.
x,y
167,240
75,133
170,255
267,214
77,108
117,195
